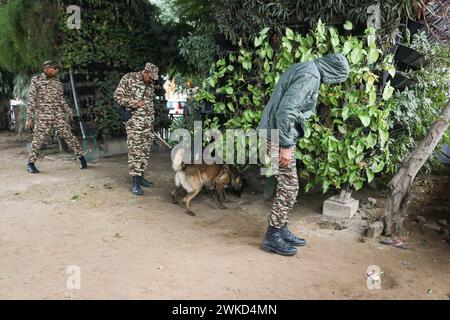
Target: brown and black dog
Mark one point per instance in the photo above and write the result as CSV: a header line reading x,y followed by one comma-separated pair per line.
x,y
193,177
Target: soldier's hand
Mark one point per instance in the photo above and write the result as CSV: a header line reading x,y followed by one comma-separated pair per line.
x,y
29,124
140,104
285,156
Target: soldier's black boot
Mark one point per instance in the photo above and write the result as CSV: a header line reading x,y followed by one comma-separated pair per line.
x,y
136,187
146,183
274,242
31,168
83,163
289,237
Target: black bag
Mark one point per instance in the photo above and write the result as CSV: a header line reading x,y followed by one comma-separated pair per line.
x,y
125,114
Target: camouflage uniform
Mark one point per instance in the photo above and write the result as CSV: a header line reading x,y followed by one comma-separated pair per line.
x,y
287,190
139,128
46,102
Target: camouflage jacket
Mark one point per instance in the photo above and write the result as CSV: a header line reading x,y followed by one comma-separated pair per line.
x,y
46,98
131,89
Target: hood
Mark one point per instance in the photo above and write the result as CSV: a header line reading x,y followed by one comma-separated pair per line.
x,y
333,68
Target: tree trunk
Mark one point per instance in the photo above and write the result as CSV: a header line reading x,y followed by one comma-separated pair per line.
x,y
398,198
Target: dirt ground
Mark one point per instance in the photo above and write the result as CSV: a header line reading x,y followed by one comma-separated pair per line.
x,y
130,247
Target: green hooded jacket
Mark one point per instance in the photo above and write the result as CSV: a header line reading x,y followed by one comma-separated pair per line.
x,y
295,96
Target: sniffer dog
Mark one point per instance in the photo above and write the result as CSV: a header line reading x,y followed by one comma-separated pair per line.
x,y
194,177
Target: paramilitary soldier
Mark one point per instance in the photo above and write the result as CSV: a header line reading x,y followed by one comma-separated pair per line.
x,y
136,92
47,104
292,102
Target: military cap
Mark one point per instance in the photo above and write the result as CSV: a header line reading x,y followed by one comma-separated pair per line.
x,y
50,64
153,70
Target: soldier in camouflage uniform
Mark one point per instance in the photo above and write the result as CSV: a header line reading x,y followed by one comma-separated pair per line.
x,y
293,101
47,105
136,92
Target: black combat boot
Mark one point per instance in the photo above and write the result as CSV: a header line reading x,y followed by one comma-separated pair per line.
x,y
146,183
275,243
136,187
290,238
83,163
31,168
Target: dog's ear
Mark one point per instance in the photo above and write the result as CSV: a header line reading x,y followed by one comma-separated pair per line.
x,y
228,169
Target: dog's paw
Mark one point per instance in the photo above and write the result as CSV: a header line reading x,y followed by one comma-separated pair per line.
x,y
191,213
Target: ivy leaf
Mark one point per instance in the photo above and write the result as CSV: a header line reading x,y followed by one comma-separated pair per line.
x,y
388,91
390,68
348,47
365,120
269,52
289,34
348,25
373,55
371,141
370,175
213,81
345,112
351,154
384,135
229,90
231,107
356,56
257,42
372,96
342,129
358,185
264,31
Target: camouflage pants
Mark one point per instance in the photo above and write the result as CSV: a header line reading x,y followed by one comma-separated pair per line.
x,y
43,129
287,191
139,139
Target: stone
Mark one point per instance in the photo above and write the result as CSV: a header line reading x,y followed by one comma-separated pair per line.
x,y
372,201
421,219
442,222
434,227
375,229
333,208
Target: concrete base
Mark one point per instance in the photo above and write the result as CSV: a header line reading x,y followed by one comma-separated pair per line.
x,y
335,208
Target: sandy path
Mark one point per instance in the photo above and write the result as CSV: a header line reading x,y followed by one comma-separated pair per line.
x,y
147,248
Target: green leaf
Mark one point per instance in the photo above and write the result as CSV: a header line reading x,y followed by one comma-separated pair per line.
x,y
342,129
371,141
264,31
345,112
289,34
384,135
351,154
365,120
229,90
257,42
213,81
358,185
373,55
372,96
370,175
356,56
388,91
390,68
348,47
231,107
348,25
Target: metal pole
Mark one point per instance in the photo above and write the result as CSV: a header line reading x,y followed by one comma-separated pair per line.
x,y
75,99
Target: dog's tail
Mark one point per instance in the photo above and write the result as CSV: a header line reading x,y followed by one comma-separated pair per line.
x,y
177,159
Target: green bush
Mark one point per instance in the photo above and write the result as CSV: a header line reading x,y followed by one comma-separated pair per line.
x,y
346,143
